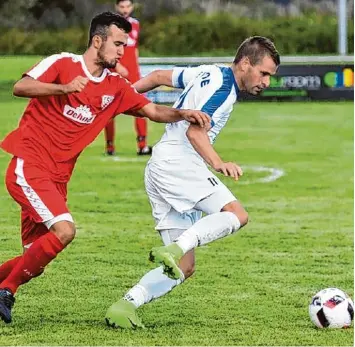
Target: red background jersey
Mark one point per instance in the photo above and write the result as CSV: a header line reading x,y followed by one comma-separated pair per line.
x,y
130,58
55,129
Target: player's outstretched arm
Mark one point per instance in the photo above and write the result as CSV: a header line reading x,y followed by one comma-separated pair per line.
x,y
154,79
28,87
165,114
199,139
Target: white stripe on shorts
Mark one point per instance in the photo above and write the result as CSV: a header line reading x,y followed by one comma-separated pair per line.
x,y
30,194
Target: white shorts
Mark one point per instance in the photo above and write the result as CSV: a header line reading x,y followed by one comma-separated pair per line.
x,y
175,187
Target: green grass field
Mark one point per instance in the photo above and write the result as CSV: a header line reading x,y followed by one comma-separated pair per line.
x,y
252,288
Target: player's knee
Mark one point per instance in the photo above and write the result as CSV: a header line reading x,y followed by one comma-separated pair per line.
x,y
65,231
236,208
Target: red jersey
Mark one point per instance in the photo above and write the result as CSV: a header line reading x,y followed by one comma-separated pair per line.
x,y
130,58
54,130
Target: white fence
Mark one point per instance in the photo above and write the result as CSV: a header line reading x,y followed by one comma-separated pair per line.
x,y
336,59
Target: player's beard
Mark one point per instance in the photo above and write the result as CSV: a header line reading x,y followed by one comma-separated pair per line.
x,y
257,90
252,89
106,64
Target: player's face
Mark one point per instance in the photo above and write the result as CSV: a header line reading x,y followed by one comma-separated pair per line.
x,y
111,51
125,8
257,77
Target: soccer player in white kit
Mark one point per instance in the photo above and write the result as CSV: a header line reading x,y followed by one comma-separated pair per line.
x,y
179,184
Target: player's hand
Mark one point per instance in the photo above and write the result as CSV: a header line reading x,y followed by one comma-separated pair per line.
x,y
230,170
76,85
196,117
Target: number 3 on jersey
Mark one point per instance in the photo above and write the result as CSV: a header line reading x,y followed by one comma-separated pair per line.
x,y
205,79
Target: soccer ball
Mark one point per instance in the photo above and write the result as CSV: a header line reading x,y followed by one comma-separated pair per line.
x,y
331,308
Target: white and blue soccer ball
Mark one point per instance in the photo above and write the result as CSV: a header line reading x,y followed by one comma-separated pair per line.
x,y
331,308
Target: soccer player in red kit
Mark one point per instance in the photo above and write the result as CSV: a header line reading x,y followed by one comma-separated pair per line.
x,y
129,68
72,99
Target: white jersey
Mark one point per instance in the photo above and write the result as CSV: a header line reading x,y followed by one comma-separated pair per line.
x,y
209,88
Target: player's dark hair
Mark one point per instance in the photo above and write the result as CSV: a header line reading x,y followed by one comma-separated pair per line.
x,y
118,1
100,25
256,48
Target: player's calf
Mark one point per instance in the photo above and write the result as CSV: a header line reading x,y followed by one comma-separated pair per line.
x,y
7,267
168,256
187,264
208,229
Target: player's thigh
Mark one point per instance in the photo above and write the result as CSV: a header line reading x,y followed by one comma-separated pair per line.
x,y
216,200
223,200
41,199
183,183
159,206
162,211
171,219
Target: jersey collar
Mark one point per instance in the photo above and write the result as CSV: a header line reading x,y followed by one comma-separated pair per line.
x,y
88,74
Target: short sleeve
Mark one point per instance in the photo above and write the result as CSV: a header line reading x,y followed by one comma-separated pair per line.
x,y
182,76
129,99
212,92
47,70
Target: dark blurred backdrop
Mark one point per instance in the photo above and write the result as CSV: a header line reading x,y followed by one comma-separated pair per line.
x,y
176,27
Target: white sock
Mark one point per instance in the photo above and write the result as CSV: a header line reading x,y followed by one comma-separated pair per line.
x,y
152,285
208,229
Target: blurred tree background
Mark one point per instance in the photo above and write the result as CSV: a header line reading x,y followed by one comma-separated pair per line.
x,y
176,27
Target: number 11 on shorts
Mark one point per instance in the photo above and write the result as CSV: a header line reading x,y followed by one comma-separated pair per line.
x,y
213,181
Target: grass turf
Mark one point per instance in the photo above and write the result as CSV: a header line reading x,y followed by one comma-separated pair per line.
x,y
252,288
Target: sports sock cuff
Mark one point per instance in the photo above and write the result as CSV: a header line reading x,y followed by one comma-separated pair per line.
x,y
235,222
51,244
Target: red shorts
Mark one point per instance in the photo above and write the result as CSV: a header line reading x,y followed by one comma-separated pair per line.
x,y
43,201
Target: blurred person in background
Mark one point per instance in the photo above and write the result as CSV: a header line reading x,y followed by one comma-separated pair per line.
x,y
129,68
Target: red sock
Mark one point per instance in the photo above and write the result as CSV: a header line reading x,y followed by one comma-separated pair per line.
x,y
110,132
141,129
7,267
32,263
